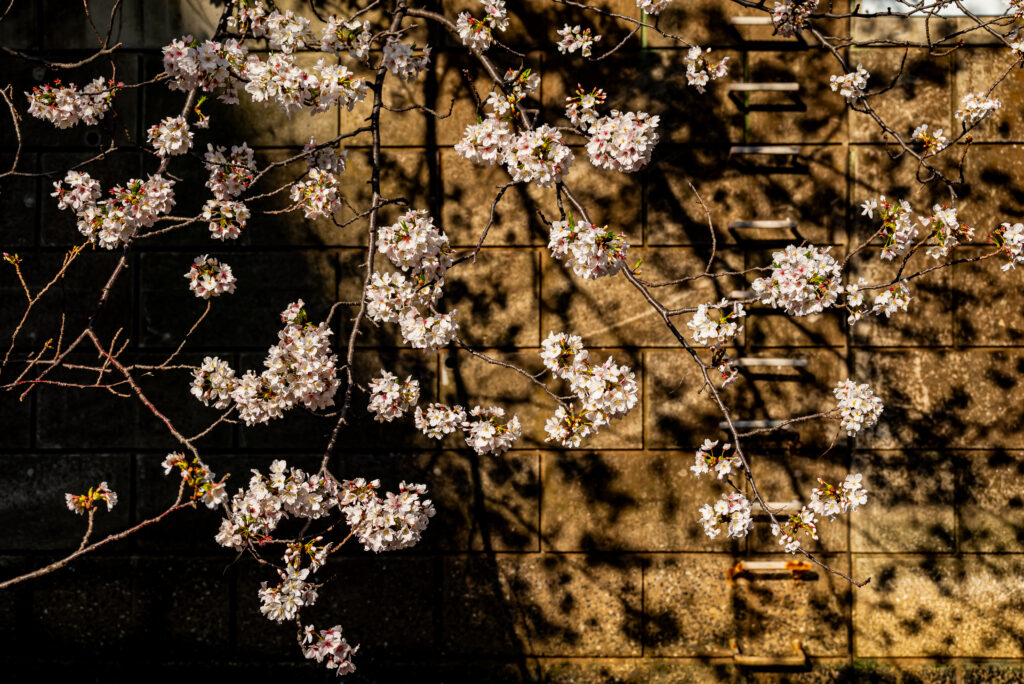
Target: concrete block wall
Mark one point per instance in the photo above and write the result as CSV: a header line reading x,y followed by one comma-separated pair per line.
x,y
553,565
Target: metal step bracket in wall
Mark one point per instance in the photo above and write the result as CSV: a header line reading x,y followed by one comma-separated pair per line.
x,y
786,229
758,33
767,158
741,95
787,569
797,660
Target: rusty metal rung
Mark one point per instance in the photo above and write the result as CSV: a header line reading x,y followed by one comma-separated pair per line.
x,y
798,659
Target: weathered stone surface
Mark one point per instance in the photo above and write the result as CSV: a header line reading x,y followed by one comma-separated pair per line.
x,y
910,502
612,312
542,605
633,670
811,192
953,399
815,114
929,315
496,298
921,606
989,500
977,74
988,301
923,79
625,501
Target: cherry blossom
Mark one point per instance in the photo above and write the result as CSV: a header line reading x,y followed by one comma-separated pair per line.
x,y
329,645
733,508
1011,241
489,433
787,532
400,59
439,420
623,141
858,406
226,217
590,252
573,39
351,36
67,106
208,277
80,503
804,280
699,70
932,141
389,524
539,156
198,477
790,16
171,136
829,501
706,461
390,399
974,107
851,85
716,332
946,231
897,227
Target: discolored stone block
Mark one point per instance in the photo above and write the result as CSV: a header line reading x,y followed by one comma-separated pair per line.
x,y
977,73
626,501
633,671
988,301
688,609
811,192
989,500
675,415
922,79
953,399
920,606
814,114
910,502
558,605
496,298
929,315
612,312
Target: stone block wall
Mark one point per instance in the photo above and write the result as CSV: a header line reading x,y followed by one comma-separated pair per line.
x,y
552,565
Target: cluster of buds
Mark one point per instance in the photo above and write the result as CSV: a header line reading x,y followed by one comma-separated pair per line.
x,y
199,477
80,503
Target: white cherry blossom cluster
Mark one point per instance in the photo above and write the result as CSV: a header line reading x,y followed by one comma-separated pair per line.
x,y
976,106
81,503
898,227
716,332
733,508
932,141
340,35
431,331
605,391
858,406
255,512
213,382
67,106
790,16
439,420
281,80
113,221
946,231
581,108
190,64
590,251
395,522
171,136
476,34
829,501
390,295
805,280
699,70
199,477
855,300
623,141
1018,8
300,369
485,142
892,299
518,83
230,174
414,244
390,399
539,155
574,38
706,461
292,594
400,59
653,7
1011,240
317,195
285,31
226,217
787,532
490,433
208,277
329,645
851,85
